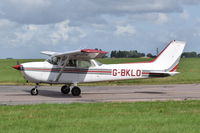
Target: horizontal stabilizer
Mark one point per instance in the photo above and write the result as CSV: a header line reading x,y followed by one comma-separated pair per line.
x,y
162,74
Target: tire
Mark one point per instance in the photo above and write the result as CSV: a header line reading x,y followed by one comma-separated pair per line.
x,y
65,89
34,92
76,91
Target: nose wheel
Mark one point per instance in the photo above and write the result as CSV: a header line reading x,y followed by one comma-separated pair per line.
x,y
34,91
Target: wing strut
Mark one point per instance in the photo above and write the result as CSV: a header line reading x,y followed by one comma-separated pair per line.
x,y
61,70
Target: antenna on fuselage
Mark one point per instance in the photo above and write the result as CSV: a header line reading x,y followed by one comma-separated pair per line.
x,y
157,52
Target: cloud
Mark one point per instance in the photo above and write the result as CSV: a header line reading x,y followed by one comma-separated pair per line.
x,y
51,24
38,35
162,18
189,2
30,3
185,15
125,30
4,23
63,32
82,11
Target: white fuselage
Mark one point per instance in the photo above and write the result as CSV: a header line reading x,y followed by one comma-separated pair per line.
x,y
44,72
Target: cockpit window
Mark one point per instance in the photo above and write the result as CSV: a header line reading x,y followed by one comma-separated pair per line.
x,y
53,60
84,63
71,62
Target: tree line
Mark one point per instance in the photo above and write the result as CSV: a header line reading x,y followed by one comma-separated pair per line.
x,y
136,54
190,54
126,54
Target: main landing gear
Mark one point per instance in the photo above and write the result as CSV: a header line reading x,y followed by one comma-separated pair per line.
x,y
76,91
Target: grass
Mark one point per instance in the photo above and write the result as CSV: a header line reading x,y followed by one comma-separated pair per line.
x,y
139,117
189,68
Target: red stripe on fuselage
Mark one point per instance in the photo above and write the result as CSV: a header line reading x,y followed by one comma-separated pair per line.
x,y
87,71
145,73
57,70
38,69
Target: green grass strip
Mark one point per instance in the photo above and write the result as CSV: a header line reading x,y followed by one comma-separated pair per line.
x,y
138,117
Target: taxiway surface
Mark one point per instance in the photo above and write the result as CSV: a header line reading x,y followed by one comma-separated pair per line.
x,y
14,95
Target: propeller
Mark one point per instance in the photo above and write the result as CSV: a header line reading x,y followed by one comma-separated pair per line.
x,y
18,62
17,66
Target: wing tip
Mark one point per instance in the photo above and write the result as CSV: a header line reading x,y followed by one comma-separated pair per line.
x,y
49,53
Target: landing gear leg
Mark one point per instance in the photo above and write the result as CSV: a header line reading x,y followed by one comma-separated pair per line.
x,y
34,91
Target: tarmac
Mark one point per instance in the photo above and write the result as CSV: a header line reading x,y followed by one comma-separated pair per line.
x,y
19,95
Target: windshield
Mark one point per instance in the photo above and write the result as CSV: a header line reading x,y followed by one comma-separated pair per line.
x,y
53,60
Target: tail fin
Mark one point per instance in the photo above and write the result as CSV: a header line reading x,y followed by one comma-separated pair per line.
x,y
169,58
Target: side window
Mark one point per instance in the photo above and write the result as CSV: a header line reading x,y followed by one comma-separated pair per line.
x,y
84,63
72,63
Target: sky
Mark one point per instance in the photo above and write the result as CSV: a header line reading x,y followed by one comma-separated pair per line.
x,y
30,26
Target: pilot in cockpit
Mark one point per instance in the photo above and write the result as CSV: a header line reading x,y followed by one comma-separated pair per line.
x,y
72,63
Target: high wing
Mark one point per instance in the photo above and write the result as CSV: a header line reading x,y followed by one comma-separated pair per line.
x,y
78,54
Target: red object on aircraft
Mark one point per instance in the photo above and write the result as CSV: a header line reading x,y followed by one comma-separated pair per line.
x,y
17,67
93,51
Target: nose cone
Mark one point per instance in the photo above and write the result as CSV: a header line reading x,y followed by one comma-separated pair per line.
x,y
17,67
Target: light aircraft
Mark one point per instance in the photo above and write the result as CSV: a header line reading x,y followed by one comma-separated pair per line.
x,y
71,68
